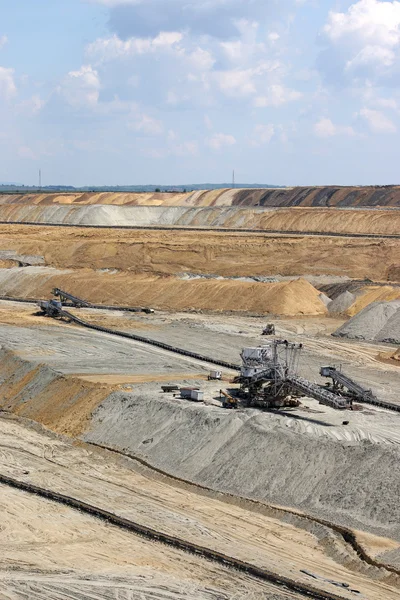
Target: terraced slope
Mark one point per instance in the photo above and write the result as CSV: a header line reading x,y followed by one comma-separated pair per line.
x,y
226,254
298,196
302,220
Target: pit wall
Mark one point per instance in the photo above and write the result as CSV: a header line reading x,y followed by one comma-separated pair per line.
x,y
36,392
216,253
324,196
311,220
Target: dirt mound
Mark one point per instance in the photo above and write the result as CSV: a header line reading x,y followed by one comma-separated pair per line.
x,y
296,297
380,321
226,254
340,304
317,220
370,294
325,196
64,404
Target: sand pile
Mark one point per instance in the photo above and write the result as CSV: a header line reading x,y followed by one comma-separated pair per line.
x,y
380,322
340,304
257,455
385,222
367,295
297,297
371,196
226,254
64,404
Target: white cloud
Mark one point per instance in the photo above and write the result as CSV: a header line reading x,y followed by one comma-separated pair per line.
x,y
147,125
81,88
8,88
365,40
201,60
245,82
104,49
276,96
377,121
324,128
262,134
368,21
3,41
219,140
273,37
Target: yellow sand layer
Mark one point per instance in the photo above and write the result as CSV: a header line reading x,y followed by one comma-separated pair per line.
x,y
226,254
290,298
373,294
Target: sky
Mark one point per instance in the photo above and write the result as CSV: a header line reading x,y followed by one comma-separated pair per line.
x,y
119,92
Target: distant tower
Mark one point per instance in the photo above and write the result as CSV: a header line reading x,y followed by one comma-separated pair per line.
x,y
40,178
233,179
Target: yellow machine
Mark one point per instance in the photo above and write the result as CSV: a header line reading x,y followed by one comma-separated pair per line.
x,y
228,401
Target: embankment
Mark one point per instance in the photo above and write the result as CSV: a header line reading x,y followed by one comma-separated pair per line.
x,y
63,404
248,453
302,220
289,298
225,254
256,455
323,196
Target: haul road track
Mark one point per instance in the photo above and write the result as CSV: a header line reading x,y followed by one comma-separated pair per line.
x,y
172,541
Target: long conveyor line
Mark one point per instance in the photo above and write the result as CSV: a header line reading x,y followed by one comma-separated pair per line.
x,y
172,541
71,305
210,230
207,359
174,349
144,340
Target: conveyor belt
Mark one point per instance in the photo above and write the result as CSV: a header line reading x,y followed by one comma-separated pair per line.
x,y
315,391
138,338
70,305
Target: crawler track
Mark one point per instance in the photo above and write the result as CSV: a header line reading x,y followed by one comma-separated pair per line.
x,y
210,230
172,541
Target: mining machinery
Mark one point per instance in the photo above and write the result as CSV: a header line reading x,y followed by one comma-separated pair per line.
x,y
269,329
269,379
228,401
343,385
51,308
65,296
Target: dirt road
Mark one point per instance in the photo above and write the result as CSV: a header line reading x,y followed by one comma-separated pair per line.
x,y
268,542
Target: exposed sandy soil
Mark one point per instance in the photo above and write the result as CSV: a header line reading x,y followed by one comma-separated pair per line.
x,y
298,196
373,294
51,551
233,254
169,293
317,220
265,538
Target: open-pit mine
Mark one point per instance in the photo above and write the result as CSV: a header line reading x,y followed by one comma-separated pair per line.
x,y
200,395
